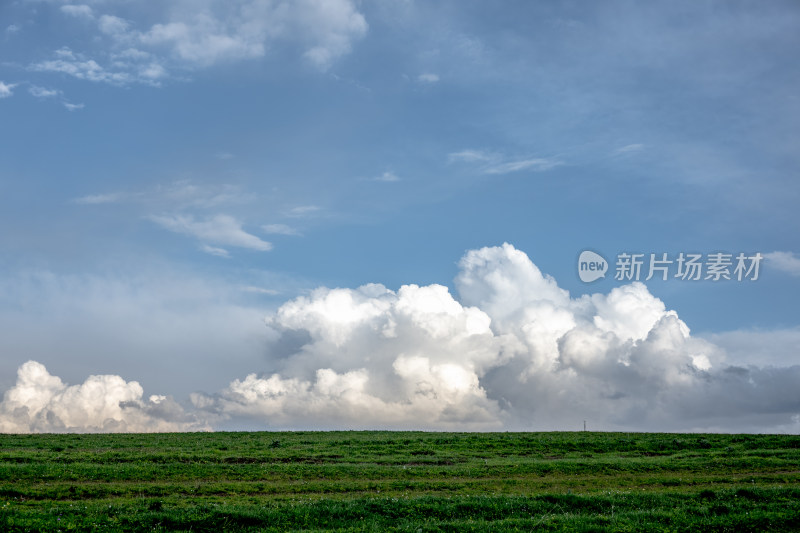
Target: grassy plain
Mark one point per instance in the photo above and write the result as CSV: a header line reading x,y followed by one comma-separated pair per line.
x,y
400,481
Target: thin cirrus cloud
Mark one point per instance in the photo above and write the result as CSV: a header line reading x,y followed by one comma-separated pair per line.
x,y
303,211
214,250
428,77
387,177
629,149
96,199
182,194
495,163
535,165
223,230
280,229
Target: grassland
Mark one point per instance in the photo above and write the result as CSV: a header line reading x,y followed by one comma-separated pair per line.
x,y
401,481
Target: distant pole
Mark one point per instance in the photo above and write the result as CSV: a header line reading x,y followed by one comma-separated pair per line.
x,y
584,425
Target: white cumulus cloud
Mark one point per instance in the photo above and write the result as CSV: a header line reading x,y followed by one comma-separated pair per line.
x,y
510,349
40,402
513,351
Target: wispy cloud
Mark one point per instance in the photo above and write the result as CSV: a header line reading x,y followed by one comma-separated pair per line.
x,y
178,195
95,199
43,92
535,165
220,229
387,177
428,78
80,11
784,261
6,89
495,163
470,156
79,66
74,107
280,229
260,290
213,250
303,210
630,148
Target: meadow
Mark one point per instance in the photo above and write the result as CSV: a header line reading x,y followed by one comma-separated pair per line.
x,y
400,481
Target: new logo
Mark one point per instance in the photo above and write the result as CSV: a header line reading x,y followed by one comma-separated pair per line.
x,y
591,266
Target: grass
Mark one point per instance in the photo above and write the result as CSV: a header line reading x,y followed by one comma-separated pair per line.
x,y
400,481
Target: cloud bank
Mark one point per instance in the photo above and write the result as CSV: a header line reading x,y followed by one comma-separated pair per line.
x,y
512,351
515,351
40,402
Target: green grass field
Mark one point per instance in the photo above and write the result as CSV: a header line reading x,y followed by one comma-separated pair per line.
x,y
401,481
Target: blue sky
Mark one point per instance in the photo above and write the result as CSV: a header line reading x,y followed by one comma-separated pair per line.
x,y
172,173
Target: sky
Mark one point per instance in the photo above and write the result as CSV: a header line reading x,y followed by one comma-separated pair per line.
x,y
342,214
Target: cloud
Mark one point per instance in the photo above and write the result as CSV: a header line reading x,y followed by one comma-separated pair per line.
x,y
42,403
81,67
74,107
630,148
387,177
219,229
495,163
515,351
6,89
509,350
182,194
536,165
95,199
469,156
280,229
775,348
175,330
197,36
428,78
114,27
79,11
42,92
375,359
784,261
213,250
260,290
303,210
